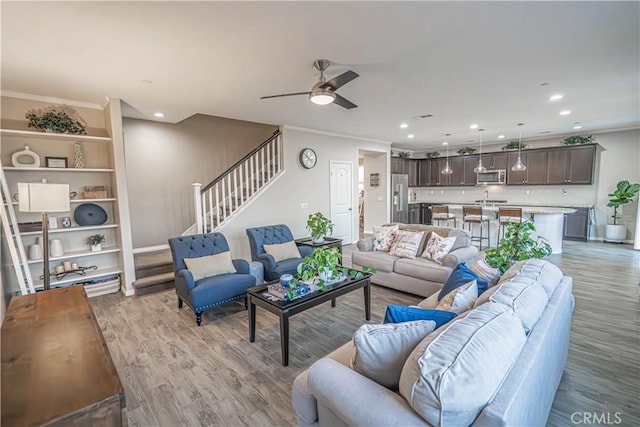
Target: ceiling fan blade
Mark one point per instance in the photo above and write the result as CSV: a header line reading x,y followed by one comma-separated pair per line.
x,y
285,94
344,102
341,80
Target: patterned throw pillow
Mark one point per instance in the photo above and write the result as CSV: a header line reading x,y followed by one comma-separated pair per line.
x,y
437,247
483,270
383,237
460,299
406,244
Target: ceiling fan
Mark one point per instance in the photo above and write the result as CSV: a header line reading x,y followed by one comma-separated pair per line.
x,y
324,92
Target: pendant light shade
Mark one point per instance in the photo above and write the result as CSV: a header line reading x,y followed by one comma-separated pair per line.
x,y
480,168
447,169
519,166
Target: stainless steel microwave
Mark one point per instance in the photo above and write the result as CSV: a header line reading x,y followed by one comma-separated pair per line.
x,y
495,177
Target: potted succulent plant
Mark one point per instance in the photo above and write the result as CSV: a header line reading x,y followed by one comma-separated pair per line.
x,y
319,226
517,245
95,241
625,192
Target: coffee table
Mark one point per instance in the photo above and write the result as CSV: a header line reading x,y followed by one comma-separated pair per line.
x,y
286,309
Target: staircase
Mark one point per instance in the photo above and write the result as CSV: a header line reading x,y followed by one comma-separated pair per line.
x,y
230,193
215,205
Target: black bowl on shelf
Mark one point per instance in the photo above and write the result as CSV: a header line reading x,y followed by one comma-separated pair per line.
x,y
90,214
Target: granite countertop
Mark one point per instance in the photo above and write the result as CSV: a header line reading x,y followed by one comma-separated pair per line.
x,y
525,209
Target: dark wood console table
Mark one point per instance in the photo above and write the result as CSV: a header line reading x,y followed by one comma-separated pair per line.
x,y
56,368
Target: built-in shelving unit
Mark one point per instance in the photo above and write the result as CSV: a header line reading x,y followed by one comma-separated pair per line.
x,y
103,159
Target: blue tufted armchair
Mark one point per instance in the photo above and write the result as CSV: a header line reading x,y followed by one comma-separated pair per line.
x,y
212,291
269,235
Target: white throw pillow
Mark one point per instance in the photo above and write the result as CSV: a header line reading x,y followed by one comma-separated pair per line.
x,y
383,237
437,247
455,371
406,244
280,251
380,351
212,265
460,299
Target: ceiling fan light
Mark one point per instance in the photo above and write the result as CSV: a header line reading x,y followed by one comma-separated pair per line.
x,y
322,97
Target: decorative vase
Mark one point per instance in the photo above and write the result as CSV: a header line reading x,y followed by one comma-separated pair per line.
x,y
79,155
15,158
615,233
55,248
317,239
35,251
96,248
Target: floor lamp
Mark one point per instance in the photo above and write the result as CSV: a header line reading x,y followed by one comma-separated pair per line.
x,y
44,198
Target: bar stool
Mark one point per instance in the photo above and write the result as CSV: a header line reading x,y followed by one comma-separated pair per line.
x,y
507,215
473,215
441,213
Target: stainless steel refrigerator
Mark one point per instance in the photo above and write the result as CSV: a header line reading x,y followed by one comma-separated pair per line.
x,y
400,198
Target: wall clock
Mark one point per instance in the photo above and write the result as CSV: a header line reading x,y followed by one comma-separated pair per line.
x,y
308,158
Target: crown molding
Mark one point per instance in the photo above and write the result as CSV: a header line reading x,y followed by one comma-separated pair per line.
x,y
52,100
339,135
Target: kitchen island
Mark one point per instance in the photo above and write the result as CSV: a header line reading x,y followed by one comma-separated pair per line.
x,y
548,220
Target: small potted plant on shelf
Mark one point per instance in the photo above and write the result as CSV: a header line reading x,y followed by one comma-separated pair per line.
x,y
578,140
404,154
319,226
95,241
432,155
517,245
513,145
466,151
625,192
57,119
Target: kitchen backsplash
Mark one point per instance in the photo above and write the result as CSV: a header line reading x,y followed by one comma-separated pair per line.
x,y
550,195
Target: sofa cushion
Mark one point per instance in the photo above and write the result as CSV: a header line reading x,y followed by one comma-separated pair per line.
x,y
381,350
382,261
383,237
525,296
443,378
484,271
421,268
545,273
402,313
486,295
437,247
430,302
460,299
463,238
459,276
211,265
280,251
406,243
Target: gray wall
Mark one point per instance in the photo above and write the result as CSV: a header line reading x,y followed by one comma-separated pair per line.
x,y
281,202
164,159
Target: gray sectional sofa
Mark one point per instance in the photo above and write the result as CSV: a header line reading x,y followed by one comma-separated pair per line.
x,y
498,364
418,276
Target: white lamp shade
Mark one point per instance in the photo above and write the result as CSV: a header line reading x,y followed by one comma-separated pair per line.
x,y
41,197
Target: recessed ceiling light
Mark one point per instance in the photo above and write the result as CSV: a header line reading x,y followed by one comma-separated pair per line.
x,y
556,97
445,143
577,127
410,136
565,112
403,125
158,114
474,126
500,136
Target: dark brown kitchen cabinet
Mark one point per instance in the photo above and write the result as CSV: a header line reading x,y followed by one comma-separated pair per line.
x,y
412,170
513,177
399,165
457,177
536,167
436,176
470,163
424,172
571,165
425,213
414,213
576,225
495,161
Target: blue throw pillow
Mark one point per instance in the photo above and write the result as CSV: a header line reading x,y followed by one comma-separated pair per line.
x,y
459,276
401,313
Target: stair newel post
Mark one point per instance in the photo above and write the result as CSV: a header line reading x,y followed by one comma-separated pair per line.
x,y
197,197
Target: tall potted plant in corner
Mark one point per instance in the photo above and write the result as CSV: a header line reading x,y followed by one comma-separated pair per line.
x,y
625,192
319,226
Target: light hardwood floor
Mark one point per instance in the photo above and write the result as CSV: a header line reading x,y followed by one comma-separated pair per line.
x,y
178,374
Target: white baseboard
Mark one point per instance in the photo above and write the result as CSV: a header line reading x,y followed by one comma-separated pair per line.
x,y
601,239
150,249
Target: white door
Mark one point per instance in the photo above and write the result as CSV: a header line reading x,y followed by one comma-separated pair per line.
x,y
342,200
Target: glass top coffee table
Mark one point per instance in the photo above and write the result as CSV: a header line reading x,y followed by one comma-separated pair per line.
x,y
284,309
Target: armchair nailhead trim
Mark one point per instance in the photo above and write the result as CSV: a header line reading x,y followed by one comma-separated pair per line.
x,y
204,307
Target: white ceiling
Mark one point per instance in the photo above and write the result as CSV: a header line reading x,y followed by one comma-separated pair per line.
x,y
463,62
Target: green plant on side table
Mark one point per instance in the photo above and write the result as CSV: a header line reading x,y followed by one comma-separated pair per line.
x,y
624,193
324,263
517,245
319,226
95,241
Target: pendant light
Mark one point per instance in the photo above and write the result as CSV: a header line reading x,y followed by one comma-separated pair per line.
x,y
447,169
480,168
519,166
